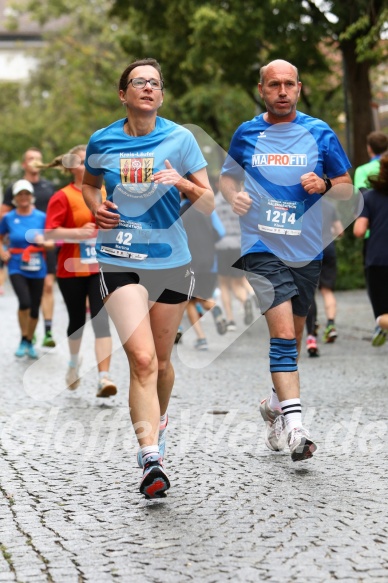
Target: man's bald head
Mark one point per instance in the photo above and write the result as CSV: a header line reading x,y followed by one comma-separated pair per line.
x,y
278,66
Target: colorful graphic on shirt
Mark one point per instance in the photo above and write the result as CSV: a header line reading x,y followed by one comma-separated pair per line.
x,y
135,175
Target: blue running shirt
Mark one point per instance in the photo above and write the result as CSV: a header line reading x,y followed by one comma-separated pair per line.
x,y
22,229
150,234
270,159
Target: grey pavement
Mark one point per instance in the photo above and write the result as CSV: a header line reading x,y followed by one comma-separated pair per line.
x,y
70,510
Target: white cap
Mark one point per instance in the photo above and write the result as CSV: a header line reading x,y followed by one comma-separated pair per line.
x,y
22,185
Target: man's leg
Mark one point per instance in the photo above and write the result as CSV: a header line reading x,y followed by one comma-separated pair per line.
x,y
286,331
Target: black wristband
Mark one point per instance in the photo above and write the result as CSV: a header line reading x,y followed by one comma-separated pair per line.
x,y
328,184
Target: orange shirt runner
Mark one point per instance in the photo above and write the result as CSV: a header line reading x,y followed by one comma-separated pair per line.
x,y
68,209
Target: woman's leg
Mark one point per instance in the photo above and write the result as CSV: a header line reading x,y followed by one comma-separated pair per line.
x,y
74,293
194,318
100,323
20,287
165,319
224,285
129,309
36,287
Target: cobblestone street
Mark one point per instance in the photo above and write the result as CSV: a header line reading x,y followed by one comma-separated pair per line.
x,y
70,510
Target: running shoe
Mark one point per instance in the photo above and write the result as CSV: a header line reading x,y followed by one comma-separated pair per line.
x,y
312,346
31,352
275,437
154,482
106,388
22,349
178,335
379,336
248,312
72,377
201,344
161,444
48,340
231,326
219,320
301,445
330,334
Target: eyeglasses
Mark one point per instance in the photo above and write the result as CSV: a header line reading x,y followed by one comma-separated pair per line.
x,y
140,83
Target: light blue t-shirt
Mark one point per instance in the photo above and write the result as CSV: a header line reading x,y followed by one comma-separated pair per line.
x,y
21,230
150,234
270,159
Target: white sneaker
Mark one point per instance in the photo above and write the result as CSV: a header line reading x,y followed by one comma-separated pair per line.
x,y
106,388
301,445
276,436
72,376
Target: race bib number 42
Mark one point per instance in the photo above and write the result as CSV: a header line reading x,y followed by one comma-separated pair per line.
x,y
280,217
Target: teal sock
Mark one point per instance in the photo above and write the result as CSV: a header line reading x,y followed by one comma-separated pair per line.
x,y
74,358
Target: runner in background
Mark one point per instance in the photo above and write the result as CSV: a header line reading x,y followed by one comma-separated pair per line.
x,y
326,285
25,257
231,280
203,232
43,191
374,216
70,222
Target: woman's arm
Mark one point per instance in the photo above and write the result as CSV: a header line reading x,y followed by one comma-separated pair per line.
x,y
103,212
196,187
360,227
4,255
66,234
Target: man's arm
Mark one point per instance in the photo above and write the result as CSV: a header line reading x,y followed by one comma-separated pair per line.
x,y
239,200
341,186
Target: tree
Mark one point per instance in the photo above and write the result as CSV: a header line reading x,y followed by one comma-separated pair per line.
x,y
203,42
356,29
73,91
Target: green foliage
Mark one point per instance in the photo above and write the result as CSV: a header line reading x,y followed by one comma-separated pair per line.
x,y
74,90
350,261
202,42
211,52
368,30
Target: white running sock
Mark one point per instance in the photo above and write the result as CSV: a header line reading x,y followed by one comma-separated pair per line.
x,y
274,401
149,451
292,411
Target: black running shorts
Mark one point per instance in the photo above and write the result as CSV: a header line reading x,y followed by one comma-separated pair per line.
x,y
166,286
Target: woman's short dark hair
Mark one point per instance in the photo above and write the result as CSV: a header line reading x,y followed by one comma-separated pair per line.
x,y
123,83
